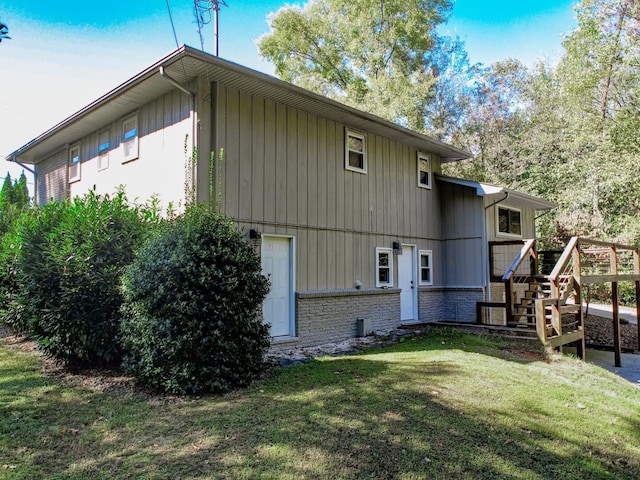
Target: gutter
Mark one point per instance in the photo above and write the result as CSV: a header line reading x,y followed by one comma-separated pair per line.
x,y
14,160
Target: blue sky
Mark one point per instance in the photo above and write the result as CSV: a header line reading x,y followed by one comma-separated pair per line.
x,y
65,53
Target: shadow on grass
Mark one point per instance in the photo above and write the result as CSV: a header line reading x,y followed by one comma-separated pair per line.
x,y
364,416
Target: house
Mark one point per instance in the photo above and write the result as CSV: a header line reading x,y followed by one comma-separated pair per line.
x,y
353,220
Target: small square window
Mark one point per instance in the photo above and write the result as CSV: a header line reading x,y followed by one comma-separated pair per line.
x,y
426,267
384,267
509,222
103,150
74,163
130,138
424,170
355,157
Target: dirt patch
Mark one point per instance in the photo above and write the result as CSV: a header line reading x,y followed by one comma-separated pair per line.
x,y
599,331
98,380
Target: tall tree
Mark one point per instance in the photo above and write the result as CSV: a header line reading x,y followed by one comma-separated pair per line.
x,y
385,57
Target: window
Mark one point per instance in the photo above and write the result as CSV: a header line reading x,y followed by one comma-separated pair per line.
x,y
424,170
426,267
509,222
384,267
74,163
103,150
130,138
355,156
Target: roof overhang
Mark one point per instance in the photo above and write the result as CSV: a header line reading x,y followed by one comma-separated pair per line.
x,y
500,194
186,64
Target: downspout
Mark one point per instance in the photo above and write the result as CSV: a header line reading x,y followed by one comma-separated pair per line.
x,y
487,278
194,119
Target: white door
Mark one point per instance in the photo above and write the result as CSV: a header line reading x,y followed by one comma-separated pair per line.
x,y
277,265
407,284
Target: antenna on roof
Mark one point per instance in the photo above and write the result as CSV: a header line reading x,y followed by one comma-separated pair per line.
x,y
205,11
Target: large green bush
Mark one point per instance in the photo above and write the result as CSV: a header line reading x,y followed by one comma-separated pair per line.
x,y
68,272
191,313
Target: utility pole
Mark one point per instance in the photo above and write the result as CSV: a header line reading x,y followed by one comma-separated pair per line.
x,y
205,11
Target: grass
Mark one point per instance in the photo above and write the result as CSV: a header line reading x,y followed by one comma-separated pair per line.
x,y
440,406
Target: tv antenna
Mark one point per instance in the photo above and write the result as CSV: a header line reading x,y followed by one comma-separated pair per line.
x,y
205,12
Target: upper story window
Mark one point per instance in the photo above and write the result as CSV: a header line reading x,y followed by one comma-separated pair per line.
x,y
509,221
384,267
426,267
355,155
74,163
103,150
424,170
130,138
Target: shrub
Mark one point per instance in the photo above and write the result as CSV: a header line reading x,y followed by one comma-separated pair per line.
x,y
68,270
11,311
191,313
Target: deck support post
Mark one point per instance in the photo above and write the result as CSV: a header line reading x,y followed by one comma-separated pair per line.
x,y
617,344
581,349
638,310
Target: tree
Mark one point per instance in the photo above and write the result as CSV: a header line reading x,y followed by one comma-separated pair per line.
x,y
4,32
383,57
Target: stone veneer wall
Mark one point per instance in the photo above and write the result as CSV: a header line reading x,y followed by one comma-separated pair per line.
x,y
456,304
331,315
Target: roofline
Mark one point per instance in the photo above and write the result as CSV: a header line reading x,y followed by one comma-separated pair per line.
x,y
487,189
186,51
98,103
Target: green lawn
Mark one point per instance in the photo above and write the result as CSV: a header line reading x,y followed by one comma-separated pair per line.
x,y
440,406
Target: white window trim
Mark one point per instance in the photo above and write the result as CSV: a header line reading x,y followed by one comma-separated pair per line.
x,y
136,148
361,136
428,253
103,158
78,175
379,250
505,234
424,156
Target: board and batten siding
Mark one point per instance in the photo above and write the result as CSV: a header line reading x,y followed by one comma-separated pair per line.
x,y
527,219
163,125
52,178
284,174
462,235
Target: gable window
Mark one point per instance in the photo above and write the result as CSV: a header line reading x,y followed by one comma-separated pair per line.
x,y
355,155
509,222
424,170
426,267
130,138
384,267
74,163
103,150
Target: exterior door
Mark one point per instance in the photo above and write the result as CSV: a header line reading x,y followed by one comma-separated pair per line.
x,y
407,284
277,265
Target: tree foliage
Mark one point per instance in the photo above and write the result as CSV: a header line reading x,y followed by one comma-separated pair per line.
x,y
568,133
383,57
4,32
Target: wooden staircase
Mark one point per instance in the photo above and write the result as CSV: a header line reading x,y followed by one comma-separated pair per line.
x,y
547,301
541,302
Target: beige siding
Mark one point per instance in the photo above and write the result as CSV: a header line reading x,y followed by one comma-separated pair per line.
x,y
163,126
462,225
527,217
51,180
284,174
